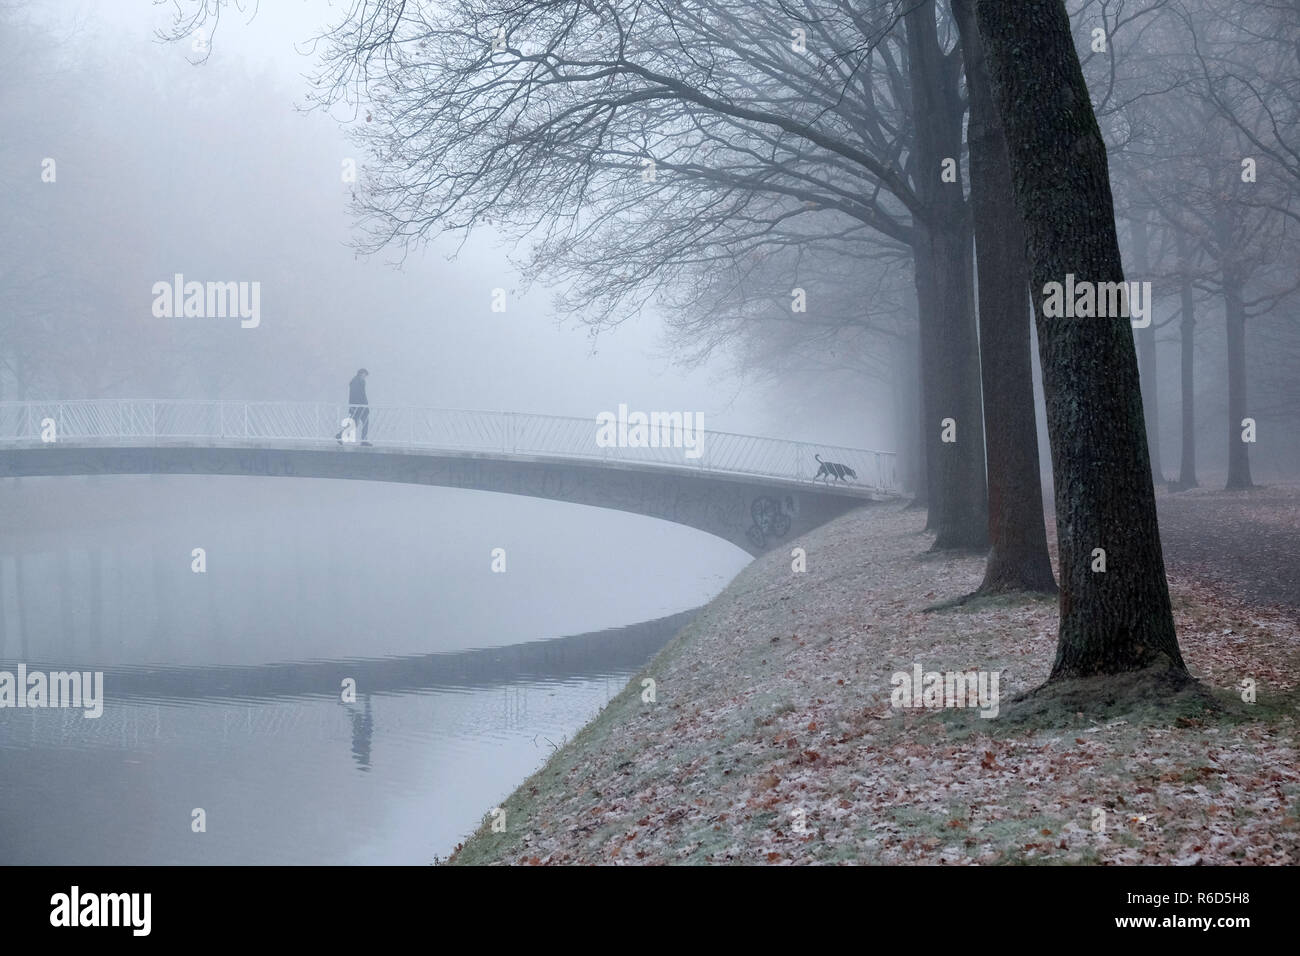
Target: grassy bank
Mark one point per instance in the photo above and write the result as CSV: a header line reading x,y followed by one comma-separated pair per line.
x,y
772,738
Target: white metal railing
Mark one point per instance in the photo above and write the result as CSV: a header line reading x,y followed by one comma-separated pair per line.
x,y
511,433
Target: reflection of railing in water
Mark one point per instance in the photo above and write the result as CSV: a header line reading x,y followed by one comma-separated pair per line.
x,y
108,421
514,706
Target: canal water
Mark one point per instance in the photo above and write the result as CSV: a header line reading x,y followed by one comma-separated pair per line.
x,y
342,682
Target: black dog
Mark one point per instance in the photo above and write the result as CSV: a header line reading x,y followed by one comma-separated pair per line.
x,y
834,470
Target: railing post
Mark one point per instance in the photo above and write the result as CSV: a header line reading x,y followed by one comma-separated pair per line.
x,y
153,420
245,421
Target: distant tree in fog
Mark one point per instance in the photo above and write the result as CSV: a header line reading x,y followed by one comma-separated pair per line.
x,y
1220,179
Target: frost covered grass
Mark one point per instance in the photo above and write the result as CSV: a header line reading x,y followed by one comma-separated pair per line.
x,y
772,738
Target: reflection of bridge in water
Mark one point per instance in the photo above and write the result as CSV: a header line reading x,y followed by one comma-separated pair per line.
x,y
754,492
613,651
595,654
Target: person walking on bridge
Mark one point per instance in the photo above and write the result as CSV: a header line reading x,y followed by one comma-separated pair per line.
x,y
360,407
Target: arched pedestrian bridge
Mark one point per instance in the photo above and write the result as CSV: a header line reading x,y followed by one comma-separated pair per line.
x,y
754,492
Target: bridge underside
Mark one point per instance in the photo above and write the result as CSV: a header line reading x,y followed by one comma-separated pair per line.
x,y
754,514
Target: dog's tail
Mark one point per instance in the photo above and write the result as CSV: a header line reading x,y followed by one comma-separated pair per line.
x,y
819,458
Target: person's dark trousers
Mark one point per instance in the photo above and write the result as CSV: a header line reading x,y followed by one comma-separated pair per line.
x,y
360,415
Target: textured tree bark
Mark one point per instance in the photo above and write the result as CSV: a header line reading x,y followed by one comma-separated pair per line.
x,y
1018,558
1238,455
949,344
1119,619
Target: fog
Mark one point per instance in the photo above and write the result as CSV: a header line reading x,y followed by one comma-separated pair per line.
x,y
798,242
215,171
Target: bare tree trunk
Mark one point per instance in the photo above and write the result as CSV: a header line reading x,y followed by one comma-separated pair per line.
x,y
928,364
1119,619
1187,324
1146,343
949,340
921,473
1238,454
906,391
1018,559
